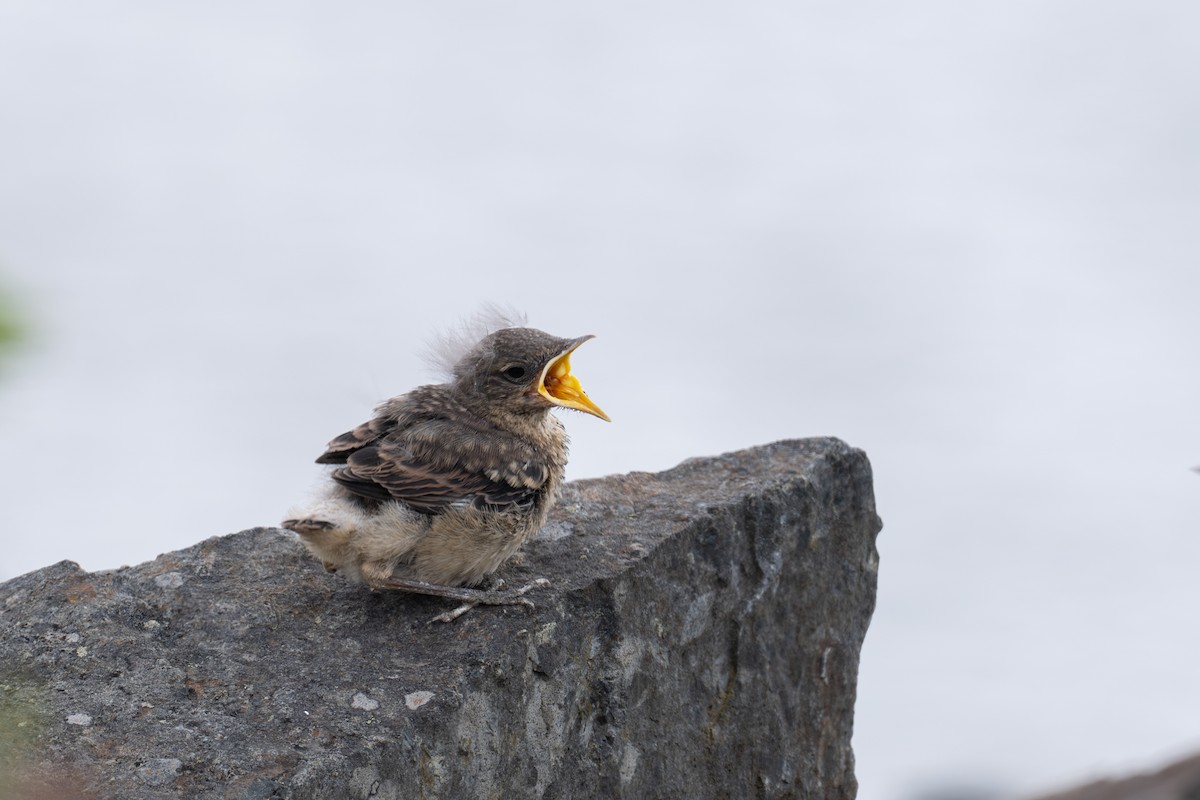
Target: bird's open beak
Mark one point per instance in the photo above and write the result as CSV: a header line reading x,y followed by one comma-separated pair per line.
x,y
561,388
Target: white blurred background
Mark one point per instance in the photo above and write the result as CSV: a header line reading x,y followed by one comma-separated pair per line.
x,y
961,236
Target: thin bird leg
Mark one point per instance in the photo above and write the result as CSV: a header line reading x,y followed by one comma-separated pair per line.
x,y
450,616
469,597
453,614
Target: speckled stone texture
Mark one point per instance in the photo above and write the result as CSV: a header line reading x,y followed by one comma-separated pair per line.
x,y
1178,781
700,639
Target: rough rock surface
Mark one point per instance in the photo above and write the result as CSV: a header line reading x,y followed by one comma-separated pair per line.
x,y
700,639
1179,781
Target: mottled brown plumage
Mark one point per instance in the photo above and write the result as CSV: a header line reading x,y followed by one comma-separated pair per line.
x,y
446,482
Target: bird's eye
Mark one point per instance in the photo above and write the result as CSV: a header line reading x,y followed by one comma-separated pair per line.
x,y
514,373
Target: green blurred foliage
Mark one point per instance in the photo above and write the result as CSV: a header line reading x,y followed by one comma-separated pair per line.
x,y
23,775
13,329
10,326
19,726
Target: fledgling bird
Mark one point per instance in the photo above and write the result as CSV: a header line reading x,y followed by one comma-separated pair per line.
x,y
445,483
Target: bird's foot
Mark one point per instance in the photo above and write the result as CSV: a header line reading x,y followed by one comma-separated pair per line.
x,y
493,597
307,525
468,597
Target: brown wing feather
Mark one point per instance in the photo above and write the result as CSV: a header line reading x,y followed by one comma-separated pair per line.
x,y
338,450
403,466
371,474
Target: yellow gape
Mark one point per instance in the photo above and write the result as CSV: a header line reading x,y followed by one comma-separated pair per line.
x,y
562,388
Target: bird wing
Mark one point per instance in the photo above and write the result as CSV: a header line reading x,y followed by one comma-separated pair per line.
x,y
435,464
338,450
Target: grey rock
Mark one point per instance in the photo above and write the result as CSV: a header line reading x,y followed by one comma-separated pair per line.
x,y
1177,781
159,771
700,639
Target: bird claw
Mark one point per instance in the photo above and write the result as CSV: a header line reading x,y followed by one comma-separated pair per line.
x,y
469,597
450,616
307,525
493,598
453,614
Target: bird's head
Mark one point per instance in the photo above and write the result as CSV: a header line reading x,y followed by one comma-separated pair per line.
x,y
523,371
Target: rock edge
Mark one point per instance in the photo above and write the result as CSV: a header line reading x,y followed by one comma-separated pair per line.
x,y
701,639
